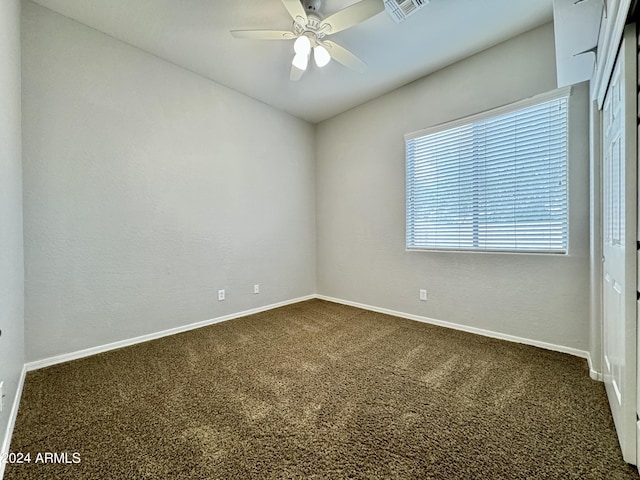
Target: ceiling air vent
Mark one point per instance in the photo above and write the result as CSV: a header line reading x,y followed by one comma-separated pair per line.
x,y
401,9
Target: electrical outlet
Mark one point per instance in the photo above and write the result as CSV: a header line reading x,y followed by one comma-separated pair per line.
x,y
423,295
256,289
221,295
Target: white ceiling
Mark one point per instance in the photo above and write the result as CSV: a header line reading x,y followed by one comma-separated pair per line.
x,y
194,34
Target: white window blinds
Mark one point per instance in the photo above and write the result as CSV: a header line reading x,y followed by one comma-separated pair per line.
x,y
497,183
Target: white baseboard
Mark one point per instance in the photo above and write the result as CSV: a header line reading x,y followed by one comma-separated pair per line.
x,y
13,414
593,373
47,362
456,326
152,336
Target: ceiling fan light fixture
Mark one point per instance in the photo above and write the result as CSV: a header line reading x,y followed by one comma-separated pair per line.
x,y
321,56
302,45
310,30
301,60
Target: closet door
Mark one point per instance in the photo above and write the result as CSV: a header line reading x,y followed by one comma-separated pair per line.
x,y
619,244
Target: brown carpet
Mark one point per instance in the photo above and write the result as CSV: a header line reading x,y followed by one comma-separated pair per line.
x,y
319,390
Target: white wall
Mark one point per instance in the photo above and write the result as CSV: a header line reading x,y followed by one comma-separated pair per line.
x,y
147,189
360,186
11,258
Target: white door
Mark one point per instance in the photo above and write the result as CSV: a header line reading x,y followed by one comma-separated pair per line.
x,y
619,244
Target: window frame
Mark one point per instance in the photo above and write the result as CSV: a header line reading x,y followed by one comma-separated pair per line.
x,y
556,94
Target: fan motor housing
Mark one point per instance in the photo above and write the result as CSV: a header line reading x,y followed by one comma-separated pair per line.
x,y
311,5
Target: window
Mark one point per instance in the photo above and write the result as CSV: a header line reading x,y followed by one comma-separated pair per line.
x,y
496,182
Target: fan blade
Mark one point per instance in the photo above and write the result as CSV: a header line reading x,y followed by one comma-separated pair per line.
x,y
296,10
296,73
352,15
344,56
263,34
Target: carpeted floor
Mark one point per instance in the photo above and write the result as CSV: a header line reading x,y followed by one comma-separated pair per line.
x,y
319,390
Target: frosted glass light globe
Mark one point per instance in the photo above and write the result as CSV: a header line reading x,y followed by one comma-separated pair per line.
x,y
321,56
302,45
301,60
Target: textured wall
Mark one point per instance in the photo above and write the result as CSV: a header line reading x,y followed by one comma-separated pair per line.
x,y
360,186
11,259
148,188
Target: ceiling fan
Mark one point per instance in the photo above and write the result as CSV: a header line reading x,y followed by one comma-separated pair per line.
x,y
310,30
